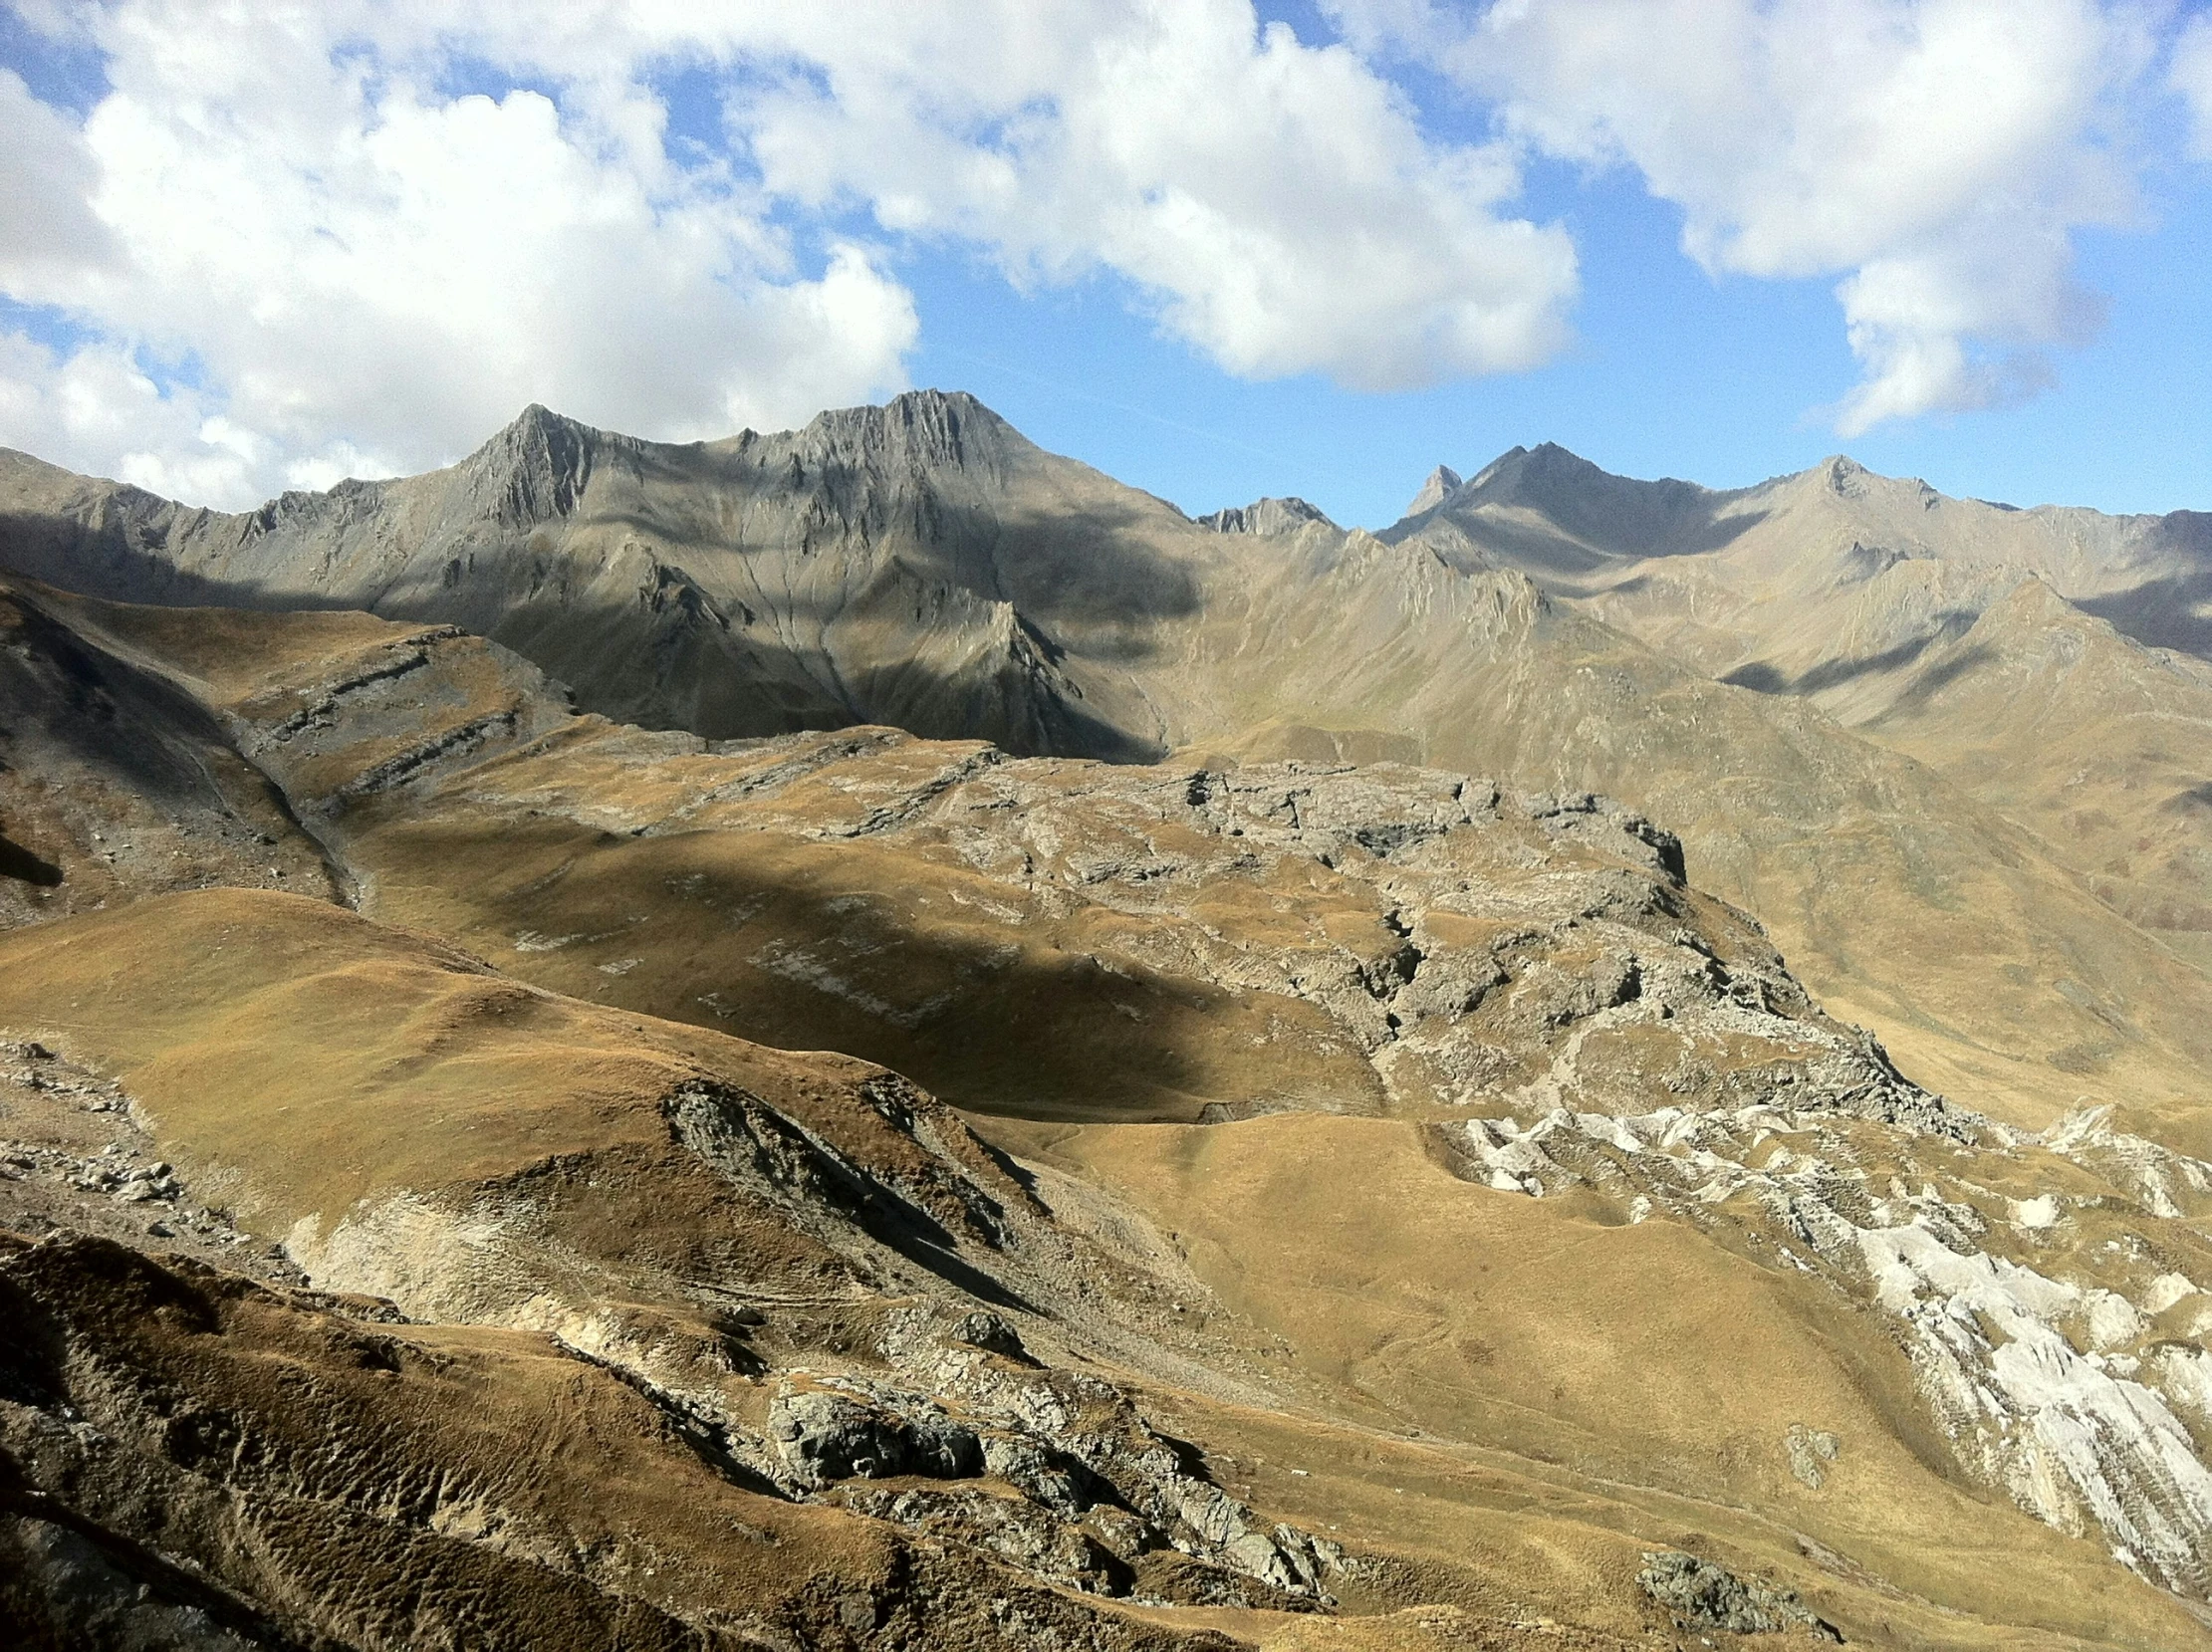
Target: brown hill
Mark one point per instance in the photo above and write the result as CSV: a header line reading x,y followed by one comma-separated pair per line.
x,y
1375,1182
1814,581
1946,628
1717,1325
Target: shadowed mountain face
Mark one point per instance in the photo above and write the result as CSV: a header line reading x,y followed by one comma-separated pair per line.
x,y
1344,1084
114,782
920,564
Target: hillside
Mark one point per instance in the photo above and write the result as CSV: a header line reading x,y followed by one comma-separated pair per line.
x,y
1088,1076
1308,1121
2051,662
922,565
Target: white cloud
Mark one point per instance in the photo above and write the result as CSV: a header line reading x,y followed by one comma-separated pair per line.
x,y
2192,77
46,176
327,258
1935,154
366,271
1276,201
94,399
292,208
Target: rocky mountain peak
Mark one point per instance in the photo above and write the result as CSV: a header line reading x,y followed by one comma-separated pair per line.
x,y
1441,482
1266,516
1594,509
918,430
1503,462
1844,475
1539,473
535,468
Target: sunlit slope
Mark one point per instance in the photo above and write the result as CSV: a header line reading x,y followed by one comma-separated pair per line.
x,y
1642,1355
2099,745
252,1468
1984,960
2018,652
316,1068
1825,582
488,1153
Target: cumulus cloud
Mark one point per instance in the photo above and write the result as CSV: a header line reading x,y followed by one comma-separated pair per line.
x,y
46,182
1934,154
2192,77
1276,202
292,242
293,230
289,253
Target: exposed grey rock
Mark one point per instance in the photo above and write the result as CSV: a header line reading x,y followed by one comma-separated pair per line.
x,y
1014,1529
1810,1449
2048,1387
60,1585
913,582
1703,1595
986,1330
1266,516
824,1436
1442,481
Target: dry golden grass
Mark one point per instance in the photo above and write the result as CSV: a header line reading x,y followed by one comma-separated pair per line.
x,y
1563,1378
1582,1389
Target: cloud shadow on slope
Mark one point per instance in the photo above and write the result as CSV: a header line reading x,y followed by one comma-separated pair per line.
x,y
1561,549
1763,677
24,867
804,947
2172,612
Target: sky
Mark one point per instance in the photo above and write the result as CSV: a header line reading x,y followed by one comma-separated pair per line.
x,y
1217,252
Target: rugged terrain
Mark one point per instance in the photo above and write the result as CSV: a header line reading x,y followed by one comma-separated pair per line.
x,y
1339,1182
2051,662
924,565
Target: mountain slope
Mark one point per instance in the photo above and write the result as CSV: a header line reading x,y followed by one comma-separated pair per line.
x,y
2097,743
1425,1306
923,565
114,782
1812,579
1901,612
919,564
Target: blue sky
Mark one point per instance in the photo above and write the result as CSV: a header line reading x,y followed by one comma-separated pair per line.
x,y
220,298
1673,373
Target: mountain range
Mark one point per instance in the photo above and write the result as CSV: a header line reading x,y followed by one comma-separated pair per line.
x,y
1612,1058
